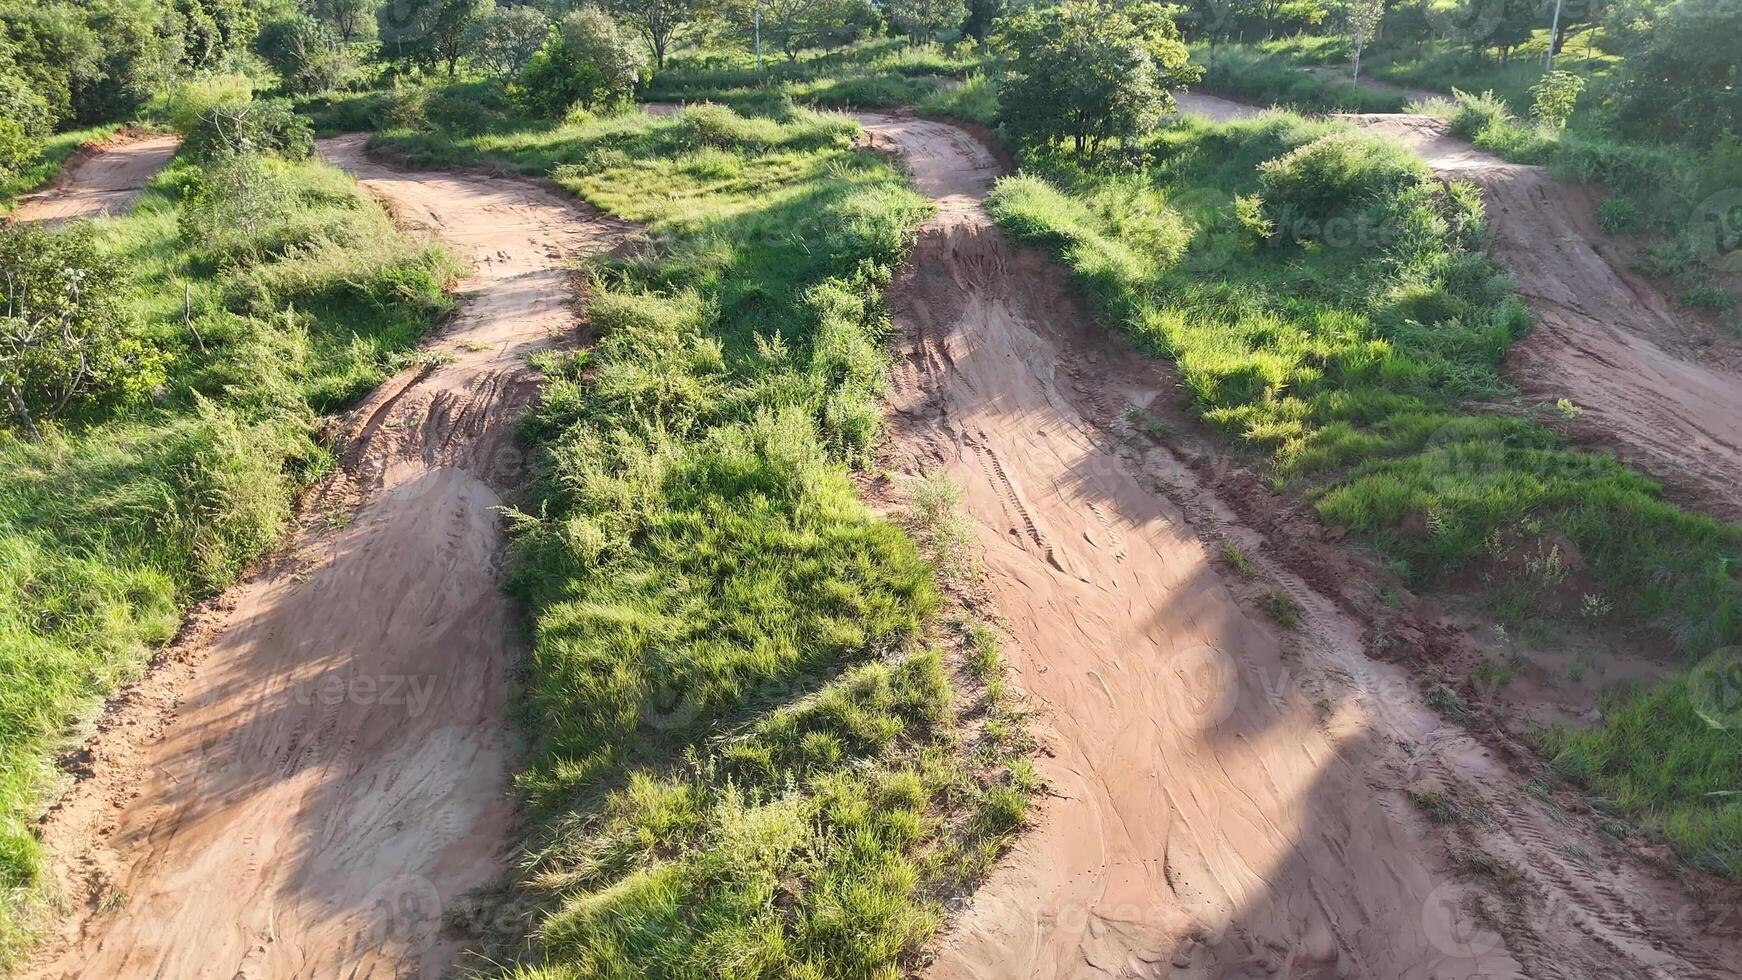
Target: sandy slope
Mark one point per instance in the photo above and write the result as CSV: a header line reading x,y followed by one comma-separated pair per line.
x,y
1654,386
322,767
1229,799
105,181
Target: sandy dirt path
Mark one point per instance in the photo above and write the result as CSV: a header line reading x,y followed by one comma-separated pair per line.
x,y
1228,798
1653,385
322,767
105,181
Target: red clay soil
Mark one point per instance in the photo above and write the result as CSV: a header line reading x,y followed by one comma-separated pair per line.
x,y
1229,798
104,178
322,765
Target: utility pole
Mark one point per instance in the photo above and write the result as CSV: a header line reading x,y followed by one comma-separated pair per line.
x,y
1553,34
759,37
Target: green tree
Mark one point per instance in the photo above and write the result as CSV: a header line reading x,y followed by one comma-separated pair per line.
x,y
1362,18
55,53
793,25
307,54
1089,72
352,19
503,41
661,22
590,60
25,116
921,20
448,30
1684,81
981,15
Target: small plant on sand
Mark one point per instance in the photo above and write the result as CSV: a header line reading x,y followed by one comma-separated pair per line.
x,y
1282,609
937,517
1235,558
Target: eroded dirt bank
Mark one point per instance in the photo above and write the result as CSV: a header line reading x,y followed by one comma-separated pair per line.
x,y
106,180
1657,387
321,768
1229,798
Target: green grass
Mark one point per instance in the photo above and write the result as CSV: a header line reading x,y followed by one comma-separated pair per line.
x,y
1654,758
881,73
1660,187
1267,73
746,757
113,523
54,153
1330,308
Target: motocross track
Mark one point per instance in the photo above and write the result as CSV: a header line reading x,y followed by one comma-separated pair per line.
x,y
321,765
1228,799
1659,389
106,179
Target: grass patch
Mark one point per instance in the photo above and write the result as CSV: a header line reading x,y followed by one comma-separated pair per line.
x,y
1655,759
746,754
114,522
1269,73
879,73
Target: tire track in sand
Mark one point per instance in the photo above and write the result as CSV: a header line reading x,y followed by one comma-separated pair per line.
x,y
1228,800
321,766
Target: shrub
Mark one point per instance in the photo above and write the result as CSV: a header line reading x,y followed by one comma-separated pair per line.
x,y
591,61
241,209
1338,176
1555,94
182,105
1682,85
1477,114
250,126
24,120
63,338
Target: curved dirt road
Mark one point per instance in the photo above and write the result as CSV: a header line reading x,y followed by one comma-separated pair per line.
x,y
1229,799
322,766
1654,386
106,180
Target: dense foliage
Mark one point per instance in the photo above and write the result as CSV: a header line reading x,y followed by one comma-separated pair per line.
x,y
590,61
1088,72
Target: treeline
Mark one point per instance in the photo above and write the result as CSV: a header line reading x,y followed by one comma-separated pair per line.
x,y
1674,66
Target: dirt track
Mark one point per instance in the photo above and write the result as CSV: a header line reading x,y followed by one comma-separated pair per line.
x,y
1653,385
1229,799
321,767
106,180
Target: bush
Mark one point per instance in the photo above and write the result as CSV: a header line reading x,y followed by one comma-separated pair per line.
x,y
63,338
24,120
250,126
1477,114
1682,85
1338,176
182,105
1554,97
591,61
